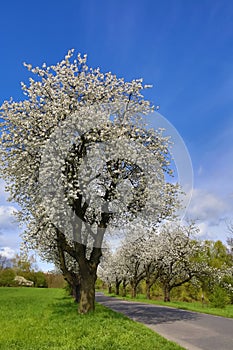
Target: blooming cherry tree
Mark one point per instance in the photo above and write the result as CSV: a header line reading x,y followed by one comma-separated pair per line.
x,y
79,160
178,257
131,254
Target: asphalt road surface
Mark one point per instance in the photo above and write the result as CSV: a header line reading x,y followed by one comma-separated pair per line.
x,y
192,330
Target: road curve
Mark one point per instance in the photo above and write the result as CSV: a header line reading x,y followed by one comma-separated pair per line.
x,y
192,330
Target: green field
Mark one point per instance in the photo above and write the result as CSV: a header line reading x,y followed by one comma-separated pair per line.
x,y
39,319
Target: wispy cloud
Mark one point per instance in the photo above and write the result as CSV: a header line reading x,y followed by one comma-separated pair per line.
x,y
7,252
9,229
207,206
211,212
7,219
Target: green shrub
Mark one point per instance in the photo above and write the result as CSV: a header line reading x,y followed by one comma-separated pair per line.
x,y
98,284
7,278
219,298
39,279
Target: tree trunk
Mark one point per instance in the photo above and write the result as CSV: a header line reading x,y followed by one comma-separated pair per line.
x,y
117,291
148,287
76,292
73,281
88,276
87,293
124,288
110,289
133,290
166,293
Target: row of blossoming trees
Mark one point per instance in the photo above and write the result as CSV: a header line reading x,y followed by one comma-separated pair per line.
x,y
169,258
81,164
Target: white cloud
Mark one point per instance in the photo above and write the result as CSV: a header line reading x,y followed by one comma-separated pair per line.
x,y
203,227
7,219
207,206
9,229
210,211
7,252
3,194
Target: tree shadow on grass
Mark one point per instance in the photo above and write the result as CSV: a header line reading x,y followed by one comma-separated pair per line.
x,y
67,306
63,306
146,313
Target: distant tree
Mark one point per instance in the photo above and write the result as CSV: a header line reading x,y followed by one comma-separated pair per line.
x,y
151,260
112,270
55,279
230,237
178,257
131,256
23,264
39,279
220,262
4,262
7,276
166,253
218,254
219,297
107,269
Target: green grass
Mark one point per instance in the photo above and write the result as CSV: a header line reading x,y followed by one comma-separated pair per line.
x,y
192,306
39,319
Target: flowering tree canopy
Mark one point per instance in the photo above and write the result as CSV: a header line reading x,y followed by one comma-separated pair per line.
x,y
79,160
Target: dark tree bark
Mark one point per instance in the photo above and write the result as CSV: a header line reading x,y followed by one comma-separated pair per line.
x,y
87,267
133,291
166,290
73,281
151,278
76,290
88,276
124,285
87,291
72,278
148,287
168,286
109,288
76,293
117,284
135,282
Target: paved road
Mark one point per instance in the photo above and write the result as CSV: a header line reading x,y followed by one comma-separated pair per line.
x,y
192,330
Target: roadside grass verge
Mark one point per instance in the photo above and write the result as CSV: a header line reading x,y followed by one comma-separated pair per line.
x,y
40,319
191,306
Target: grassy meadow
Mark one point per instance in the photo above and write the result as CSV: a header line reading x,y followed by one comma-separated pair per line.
x,y
40,319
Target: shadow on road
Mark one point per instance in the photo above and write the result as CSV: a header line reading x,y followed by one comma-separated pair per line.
x,y
148,314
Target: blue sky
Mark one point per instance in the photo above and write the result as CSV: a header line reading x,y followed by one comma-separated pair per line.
x,y
184,48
